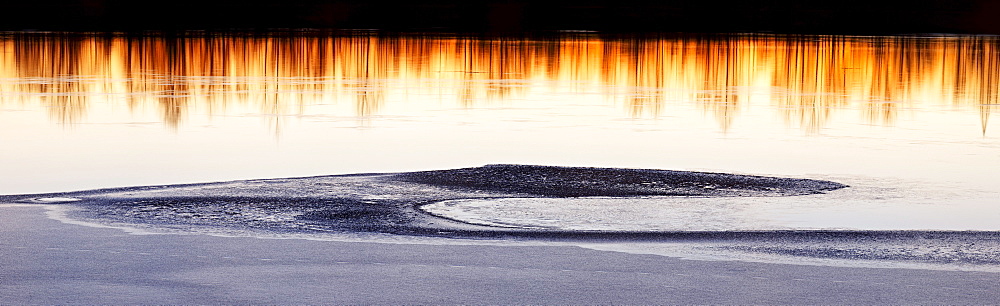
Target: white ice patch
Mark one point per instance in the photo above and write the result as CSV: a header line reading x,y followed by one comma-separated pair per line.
x,y
54,200
615,214
711,251
859,207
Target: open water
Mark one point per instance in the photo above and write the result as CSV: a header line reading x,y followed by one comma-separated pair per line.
x,y
904,120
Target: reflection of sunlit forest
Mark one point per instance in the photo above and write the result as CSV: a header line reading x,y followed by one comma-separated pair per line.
x,y
806,78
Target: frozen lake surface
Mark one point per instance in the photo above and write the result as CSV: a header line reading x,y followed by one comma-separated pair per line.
x,y
904,121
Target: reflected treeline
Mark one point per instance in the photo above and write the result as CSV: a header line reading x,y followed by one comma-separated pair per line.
x,y
807,79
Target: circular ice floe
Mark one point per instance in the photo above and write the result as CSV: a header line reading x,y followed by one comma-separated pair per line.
x,y
853,210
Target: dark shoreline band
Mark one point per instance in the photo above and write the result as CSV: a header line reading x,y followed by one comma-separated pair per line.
x,y
511,16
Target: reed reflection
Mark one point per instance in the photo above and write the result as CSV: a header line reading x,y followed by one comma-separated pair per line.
x,y
807,79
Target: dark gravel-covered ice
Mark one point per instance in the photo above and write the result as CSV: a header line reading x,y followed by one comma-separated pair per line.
x,y
580,182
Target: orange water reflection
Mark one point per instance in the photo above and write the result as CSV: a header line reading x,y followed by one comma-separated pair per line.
x,y
807,79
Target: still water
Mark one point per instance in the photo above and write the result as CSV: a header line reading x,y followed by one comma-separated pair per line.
x,y
904,120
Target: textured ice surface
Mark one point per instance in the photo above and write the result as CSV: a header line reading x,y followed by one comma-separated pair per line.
x,y
738,216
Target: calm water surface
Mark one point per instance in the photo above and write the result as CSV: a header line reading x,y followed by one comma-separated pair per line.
x,y
905,120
